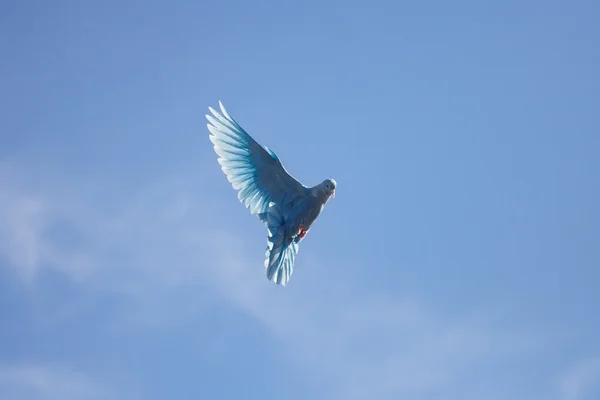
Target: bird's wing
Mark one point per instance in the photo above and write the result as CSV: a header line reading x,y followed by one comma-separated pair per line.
x,y
253,170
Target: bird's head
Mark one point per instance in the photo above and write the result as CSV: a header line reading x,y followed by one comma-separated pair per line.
x,y
329,187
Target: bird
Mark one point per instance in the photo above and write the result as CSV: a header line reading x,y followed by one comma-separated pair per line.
x,y
283,204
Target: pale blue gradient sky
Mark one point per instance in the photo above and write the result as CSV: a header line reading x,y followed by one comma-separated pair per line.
x,y
459,260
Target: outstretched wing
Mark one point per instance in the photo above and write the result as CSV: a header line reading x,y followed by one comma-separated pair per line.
x,y
253,170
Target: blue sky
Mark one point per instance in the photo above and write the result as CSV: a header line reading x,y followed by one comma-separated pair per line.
x,y
459,259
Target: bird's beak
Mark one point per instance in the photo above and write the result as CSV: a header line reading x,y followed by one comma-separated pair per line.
x,y
333,193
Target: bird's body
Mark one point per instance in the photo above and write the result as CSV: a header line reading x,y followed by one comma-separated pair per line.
x,y
307,209
284,205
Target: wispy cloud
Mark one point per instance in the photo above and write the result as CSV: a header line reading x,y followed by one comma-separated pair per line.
x,y
580,378
28,213
21,229
68,227
369,344
352,341
47,382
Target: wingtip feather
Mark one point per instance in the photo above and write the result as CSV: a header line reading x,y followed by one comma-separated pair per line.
x,y
222,107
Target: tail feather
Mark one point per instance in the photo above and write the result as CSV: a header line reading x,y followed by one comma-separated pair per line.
x,y
281,250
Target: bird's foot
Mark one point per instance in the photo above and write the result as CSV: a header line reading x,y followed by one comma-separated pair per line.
x,y
301,232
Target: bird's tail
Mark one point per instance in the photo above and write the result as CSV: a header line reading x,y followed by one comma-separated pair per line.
x,y
281,249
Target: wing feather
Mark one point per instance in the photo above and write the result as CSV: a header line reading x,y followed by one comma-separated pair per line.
x,y
253,170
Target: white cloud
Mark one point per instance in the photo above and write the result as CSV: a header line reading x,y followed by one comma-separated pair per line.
x,y
24,225
366,344
46,382
359,341
580,379
21,226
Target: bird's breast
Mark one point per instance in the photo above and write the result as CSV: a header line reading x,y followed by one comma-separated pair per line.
x,y
310,212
